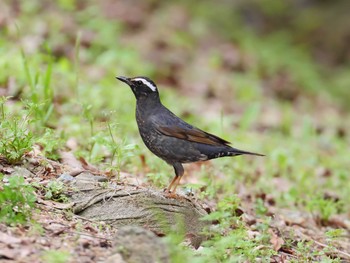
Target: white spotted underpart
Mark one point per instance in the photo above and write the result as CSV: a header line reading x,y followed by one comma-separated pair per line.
x,y
147,83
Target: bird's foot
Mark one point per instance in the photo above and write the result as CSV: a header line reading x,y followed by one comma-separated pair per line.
x,y
173,195
170,194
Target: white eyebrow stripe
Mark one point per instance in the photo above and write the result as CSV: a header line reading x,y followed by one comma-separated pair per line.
x,y
147,83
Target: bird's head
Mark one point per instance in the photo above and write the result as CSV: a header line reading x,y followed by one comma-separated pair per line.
x,y
141,86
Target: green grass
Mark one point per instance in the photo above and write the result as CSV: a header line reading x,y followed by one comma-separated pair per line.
x,y
65,88
16,137
17,200
56,256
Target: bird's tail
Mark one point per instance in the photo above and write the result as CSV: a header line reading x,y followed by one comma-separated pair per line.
x,y
229,152
234,152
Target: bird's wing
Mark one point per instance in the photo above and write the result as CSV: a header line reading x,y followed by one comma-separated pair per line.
x,y
192,134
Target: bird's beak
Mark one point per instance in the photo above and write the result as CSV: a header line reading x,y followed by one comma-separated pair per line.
x,y
124,79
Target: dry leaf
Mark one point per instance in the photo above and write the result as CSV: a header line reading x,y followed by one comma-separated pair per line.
x,y
89,167
276,241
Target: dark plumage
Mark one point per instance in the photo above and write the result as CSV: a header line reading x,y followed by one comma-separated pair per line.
x,y
169,137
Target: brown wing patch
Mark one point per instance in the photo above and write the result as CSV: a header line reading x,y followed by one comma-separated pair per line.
x,y
193,135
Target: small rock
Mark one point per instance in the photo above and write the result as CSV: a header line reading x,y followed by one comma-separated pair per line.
x,y
137,244
101,179
116,258
21,171
66,178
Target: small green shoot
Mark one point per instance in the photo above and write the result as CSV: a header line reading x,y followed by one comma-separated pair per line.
x,y
55,191
335,233
16,138
260,207
41,93
323,208
17,200
50,144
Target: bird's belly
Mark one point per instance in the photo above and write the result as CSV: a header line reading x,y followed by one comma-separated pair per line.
x,y
170,149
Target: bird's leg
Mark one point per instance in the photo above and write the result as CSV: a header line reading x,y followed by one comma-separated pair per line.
x,y
179,171
171,184
177,182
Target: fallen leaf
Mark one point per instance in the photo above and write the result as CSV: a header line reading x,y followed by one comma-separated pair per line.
x,y
87,166
276,241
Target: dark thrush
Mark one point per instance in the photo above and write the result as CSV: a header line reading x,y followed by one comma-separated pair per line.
x,y
169,137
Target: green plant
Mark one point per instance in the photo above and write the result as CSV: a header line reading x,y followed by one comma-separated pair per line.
x,y
226,213
323,208
105,145
230,241
260,207
15,137
88,115
41,93
335,233
119,151
55,256
17,200
306,253
55,191
50,143
158,179
235,246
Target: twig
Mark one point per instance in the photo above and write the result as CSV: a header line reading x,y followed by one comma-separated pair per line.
x,y
326,246
84,218
335,249
84,234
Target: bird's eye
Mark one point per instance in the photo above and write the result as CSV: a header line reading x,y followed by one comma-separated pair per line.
x,y
139,82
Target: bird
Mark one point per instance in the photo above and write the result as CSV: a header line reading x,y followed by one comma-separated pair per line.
x,y
171,138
